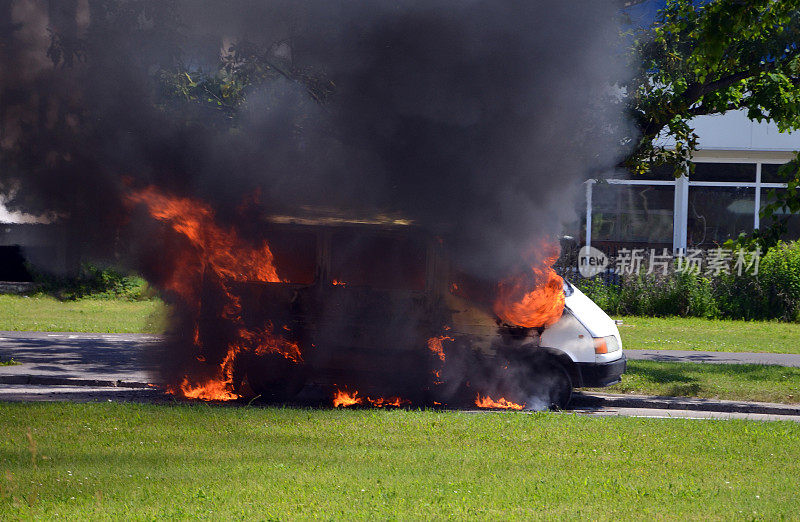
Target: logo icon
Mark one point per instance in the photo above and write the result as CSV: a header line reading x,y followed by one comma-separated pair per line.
x,y
591,261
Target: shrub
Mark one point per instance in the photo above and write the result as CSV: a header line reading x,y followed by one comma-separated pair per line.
x,y
93,281
607,296
679,293
772,293
741,297
779,273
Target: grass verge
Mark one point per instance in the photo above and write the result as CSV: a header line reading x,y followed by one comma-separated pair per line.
x,y
691,333
145,461
47,314
745,382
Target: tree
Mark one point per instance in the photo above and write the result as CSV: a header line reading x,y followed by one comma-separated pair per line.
x,y
700,58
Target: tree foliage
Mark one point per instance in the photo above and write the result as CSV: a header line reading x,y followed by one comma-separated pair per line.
x,y
700,58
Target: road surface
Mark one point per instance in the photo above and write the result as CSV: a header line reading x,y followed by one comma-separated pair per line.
x,y
85,367
779,359
63,358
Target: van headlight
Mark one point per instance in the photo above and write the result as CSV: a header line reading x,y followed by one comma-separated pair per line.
x,y
606,344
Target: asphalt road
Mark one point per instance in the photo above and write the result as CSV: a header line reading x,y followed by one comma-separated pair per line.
x,y
113,358
63,357
115,367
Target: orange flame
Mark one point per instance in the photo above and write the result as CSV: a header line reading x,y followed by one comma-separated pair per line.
x,y
344,399
501,403
220,255
215,248
381,402
533,299
435,345
336,282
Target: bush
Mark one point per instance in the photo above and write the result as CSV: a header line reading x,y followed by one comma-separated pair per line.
x,y
606,296
96,282
779,273
679,293
772,293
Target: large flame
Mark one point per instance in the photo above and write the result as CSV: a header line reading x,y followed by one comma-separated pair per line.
x,y
533,298
344,399
501,403
435,345
217,255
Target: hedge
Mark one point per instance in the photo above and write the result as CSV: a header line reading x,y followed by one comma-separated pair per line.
x,y
772,293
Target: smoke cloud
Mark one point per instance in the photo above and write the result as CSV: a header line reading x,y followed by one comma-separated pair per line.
x,y
477,120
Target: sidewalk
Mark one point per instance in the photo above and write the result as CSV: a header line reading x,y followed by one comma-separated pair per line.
x,y
778,359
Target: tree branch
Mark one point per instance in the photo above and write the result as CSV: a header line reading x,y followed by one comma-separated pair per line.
x,y
702,110
696,90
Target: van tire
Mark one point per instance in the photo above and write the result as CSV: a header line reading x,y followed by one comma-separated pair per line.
x,y
560,384
273,378
537,379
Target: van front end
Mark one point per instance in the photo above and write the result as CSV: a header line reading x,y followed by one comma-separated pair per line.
x,y
589,338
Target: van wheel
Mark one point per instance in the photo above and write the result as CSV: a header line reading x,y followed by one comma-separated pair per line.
x,y
549,385
273,378
559,385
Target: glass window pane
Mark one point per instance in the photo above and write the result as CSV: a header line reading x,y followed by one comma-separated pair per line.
x,y
378,261
793,221
632,213
745,172
295,255
662,173
769,174
717,214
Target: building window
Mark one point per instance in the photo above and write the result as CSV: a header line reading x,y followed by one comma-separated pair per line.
x,y
717,202
717,214
633,213
769,173
792,220
727,172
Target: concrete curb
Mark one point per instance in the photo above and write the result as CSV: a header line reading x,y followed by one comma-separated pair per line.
x,y
608,400
580,400
43,380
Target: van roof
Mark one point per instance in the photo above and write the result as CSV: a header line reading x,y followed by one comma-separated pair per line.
x,y
334,217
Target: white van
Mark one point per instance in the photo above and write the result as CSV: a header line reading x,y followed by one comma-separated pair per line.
x,y
589,338
375,305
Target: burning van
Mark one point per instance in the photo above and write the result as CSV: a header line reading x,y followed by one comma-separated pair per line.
x,y
369,310
373,311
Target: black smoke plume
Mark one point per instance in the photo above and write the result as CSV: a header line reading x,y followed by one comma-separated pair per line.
x,y
476,120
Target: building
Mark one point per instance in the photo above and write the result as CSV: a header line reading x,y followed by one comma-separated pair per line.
x,y
736,168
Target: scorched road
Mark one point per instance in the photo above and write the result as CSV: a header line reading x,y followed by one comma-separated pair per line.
x,y
116,367
64,358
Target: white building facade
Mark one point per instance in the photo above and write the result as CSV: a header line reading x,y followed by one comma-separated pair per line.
x,y
736,168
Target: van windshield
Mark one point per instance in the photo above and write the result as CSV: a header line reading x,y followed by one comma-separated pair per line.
x,y
378,261
294,254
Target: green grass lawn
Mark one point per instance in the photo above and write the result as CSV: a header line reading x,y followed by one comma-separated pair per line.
x,y
746,382
691,333
144,461
84,315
